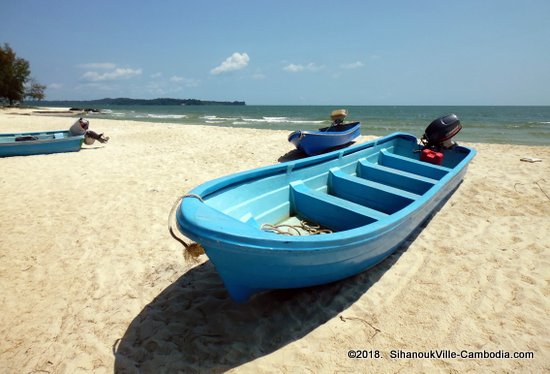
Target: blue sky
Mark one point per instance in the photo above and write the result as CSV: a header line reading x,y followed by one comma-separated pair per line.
x,y
363,52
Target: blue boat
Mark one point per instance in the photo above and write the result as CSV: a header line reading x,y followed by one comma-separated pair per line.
x,y
325,139
33,143
362,201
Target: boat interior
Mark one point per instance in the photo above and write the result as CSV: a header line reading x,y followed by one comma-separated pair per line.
x,y
10,138
356,189
339,128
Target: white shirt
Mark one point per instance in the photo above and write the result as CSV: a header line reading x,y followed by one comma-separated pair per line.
x,y
77,127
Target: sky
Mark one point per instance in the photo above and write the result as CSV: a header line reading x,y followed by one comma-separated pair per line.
x,y
279,52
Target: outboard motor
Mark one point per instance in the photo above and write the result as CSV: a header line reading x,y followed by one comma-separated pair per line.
x,y
439,133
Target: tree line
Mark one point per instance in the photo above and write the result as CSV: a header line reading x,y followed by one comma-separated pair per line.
x,y
15,81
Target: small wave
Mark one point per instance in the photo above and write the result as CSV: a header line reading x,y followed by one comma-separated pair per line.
x,y
528,125
306,122
275,119
110,113
280,120
268,120
166,116
216,118
254,120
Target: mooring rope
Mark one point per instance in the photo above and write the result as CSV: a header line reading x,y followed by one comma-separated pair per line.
x,y
538,185
193,248
305,226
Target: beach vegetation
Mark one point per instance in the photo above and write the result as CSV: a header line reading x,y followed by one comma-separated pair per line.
x,y
14,75
34,90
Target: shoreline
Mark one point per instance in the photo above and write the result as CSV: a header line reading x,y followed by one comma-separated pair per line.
x,y
93,281
516,132
38,110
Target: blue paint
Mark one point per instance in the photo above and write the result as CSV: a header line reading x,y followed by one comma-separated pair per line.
x,y
316,142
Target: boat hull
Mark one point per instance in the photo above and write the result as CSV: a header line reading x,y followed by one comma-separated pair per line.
x,y
341,190
316,142
39,143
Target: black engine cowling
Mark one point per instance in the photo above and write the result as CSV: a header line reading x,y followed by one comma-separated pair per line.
x,y
440,132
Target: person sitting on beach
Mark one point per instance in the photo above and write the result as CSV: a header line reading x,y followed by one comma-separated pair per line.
x,y
338,116
80,127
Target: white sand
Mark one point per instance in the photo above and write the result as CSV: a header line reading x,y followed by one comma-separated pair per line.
x,y
92,281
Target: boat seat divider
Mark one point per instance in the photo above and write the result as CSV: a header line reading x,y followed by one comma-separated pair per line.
x,y
330,211
410,165
375,195
396,178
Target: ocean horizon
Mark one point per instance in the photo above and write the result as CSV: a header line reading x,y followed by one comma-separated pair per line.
x,y
528,125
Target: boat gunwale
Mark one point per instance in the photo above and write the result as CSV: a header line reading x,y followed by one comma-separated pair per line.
x,y
67,138
326,133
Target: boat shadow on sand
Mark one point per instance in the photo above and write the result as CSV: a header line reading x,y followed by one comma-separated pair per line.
x,y
193,325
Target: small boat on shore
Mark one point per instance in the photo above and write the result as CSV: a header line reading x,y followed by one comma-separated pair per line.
x,y
258,227
33,143
337,135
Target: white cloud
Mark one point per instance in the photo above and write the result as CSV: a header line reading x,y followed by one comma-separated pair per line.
x,y
114,74
236,61
55,86
98,65
295,68
353,65
175,78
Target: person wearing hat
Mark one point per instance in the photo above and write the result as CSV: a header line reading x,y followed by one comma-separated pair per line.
x,y
80,127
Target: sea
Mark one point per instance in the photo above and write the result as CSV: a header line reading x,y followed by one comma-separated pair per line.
x,y
528,125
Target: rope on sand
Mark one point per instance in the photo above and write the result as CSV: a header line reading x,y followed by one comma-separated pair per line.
x,y
538,185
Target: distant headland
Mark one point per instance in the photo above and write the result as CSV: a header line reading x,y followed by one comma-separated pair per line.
x,y
127,101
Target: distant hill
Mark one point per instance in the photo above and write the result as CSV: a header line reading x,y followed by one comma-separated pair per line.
x,y
127,101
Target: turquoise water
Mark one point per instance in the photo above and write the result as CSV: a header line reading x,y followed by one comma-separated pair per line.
x,y
486,124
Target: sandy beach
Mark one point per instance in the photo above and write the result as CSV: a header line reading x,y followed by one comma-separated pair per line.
x,y
92,281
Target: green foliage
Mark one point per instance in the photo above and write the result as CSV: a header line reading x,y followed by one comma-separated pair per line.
x,y
14,72
35,90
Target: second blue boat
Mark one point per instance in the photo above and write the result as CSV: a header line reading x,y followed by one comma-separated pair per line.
x,y
337,135
36,143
